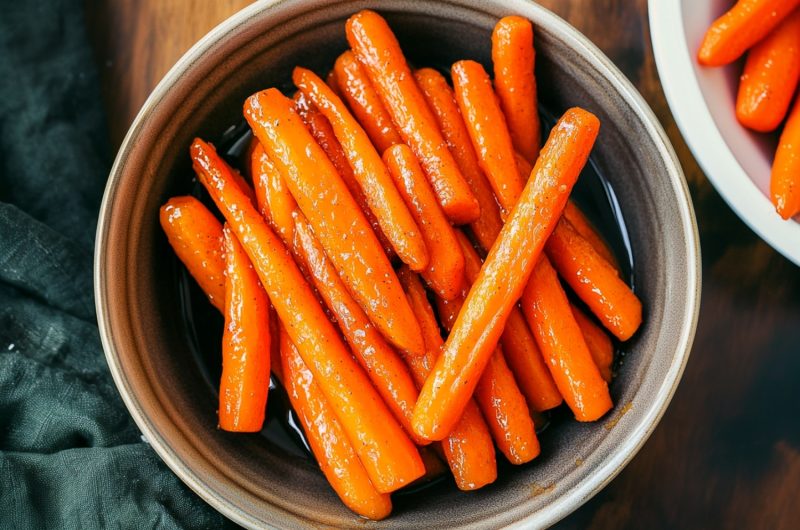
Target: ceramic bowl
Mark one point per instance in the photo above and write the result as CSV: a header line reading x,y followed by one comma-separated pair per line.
x,y
257,482
736,160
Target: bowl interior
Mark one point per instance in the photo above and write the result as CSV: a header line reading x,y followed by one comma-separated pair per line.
x,y
256,480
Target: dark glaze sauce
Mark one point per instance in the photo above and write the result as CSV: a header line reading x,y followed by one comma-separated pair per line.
x,y
202,324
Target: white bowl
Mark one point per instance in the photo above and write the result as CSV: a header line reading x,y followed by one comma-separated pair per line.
x,y
736,161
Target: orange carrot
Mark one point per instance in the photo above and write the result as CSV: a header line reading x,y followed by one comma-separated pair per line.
x,y
377,49
442,102
740,28
770,77
273,198
445,271
548,312
389,456
196,237
333,213
595,281
586,229
245,344
519,346
503,275
513,57
600,346
322,131
785,182
383,198
332,81
364,102
523,166
327,438
468,447
488,131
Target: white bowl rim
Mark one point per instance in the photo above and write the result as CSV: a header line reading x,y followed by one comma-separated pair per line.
x,y
675,61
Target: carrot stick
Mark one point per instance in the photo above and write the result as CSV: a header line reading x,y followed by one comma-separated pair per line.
x,y
376,47
488,131
273,198
196,237
770,77
519,346
322,131
513,57
328,439
333,213
595,281
600,346
332,80
442,102
245,343
740,28
364,102
388,455
586,229
785,180
468,447
548,312
383,198
445,271
503,275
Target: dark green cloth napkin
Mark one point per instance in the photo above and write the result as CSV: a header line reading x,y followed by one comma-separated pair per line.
x,y
70,454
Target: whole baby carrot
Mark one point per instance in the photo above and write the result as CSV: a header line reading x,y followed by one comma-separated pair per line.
x,y
519,345
468,447
513,58
595,281
377,49
244,384
327,438
385,201
770,77
389,456
333,213
503,275
322,131
196,237
364,102
273,198
740,28
599,344
548,311
488,131
586,229
785,180
445,270
442,102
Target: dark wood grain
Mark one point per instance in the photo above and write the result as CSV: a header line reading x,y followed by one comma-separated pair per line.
x,y
727,453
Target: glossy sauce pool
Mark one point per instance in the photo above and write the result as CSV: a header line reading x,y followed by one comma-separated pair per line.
x,y
202,324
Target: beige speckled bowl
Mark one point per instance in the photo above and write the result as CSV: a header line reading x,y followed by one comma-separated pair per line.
x,y
256,482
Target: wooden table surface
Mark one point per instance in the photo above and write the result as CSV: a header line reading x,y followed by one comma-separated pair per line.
x,y
727,452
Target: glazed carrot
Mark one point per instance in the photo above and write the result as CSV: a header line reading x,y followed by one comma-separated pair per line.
x,y
740,28
519,345
322,131
364,102
785,181
523,166
468,447
600,346
384,200
434,467
513,58
245,343
503,275
488,131
332,81
442,102
586,229
445,271
273,198
376,47
770,77
595,281
389,456
501,401
327,438
333,213
247,156
548,312
196,237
